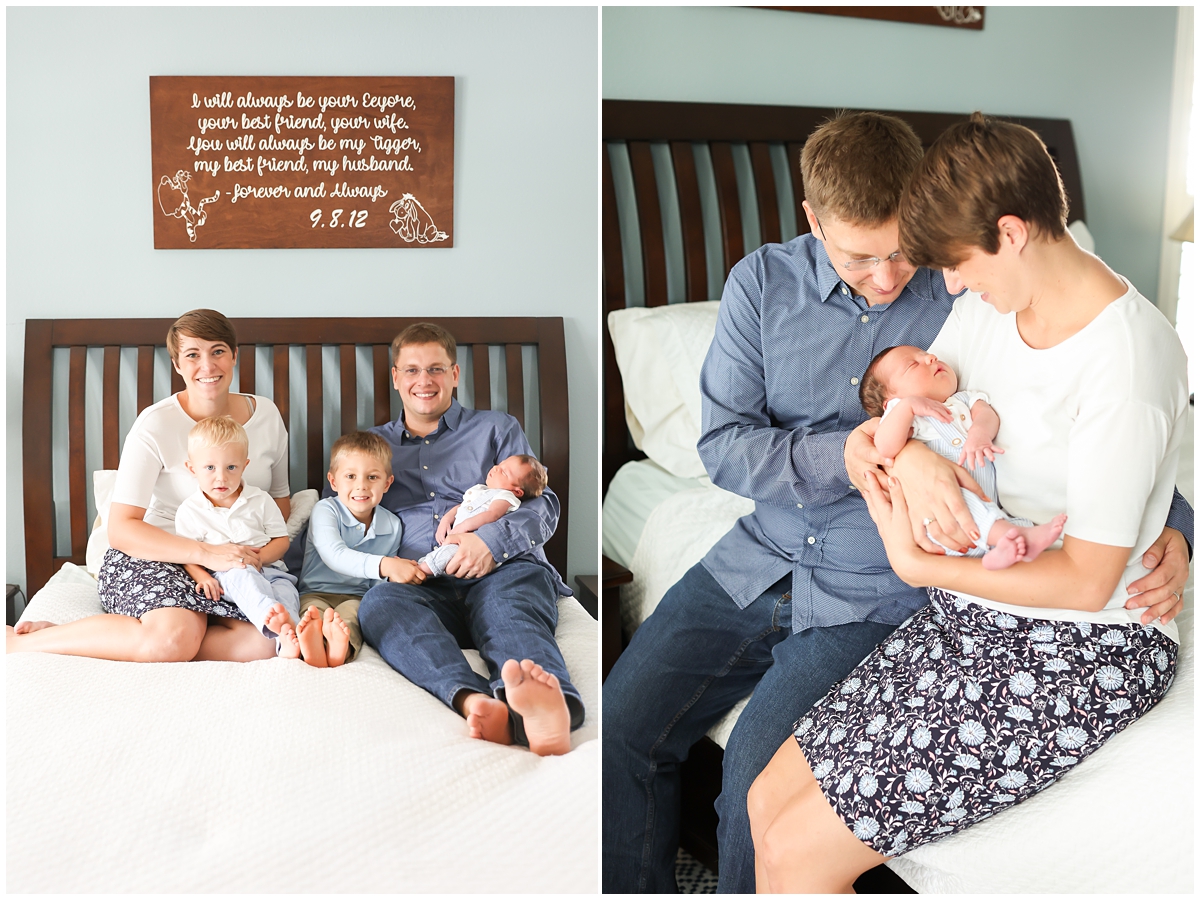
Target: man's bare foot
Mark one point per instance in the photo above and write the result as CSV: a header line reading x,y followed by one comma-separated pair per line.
x,y
27,627
277,617
337,637
289,646
312,642
1017,543
487,718
535,693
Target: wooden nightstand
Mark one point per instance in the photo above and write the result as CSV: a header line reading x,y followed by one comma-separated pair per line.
x,y
11,613
612,640
589,593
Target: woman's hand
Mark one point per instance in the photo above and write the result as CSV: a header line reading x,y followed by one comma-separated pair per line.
x,y
223,557
890,513
1161,592
935,500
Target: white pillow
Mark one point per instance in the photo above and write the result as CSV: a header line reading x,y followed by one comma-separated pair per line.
x,y
103,482
659,351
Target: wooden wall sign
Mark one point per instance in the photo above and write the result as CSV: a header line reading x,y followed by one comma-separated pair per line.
x,y
949,16
260,162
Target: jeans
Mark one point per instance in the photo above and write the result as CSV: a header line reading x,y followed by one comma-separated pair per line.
x,y
510,613
688,664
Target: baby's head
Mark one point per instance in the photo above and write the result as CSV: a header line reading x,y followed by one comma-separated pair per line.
x,y
521,474
905,372
360,471
218,453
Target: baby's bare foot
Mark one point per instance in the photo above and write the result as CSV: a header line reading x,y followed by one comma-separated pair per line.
x,y
289,646
535,693
487,718
277,617
424,567
1039,537
1009,548
312,643
27,627
337,637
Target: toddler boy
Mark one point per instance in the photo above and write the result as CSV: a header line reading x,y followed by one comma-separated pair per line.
x,y
352,544
917,394
508,481
224,510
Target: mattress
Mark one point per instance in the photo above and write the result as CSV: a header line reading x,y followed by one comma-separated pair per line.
x,y
1122,821
634,492
274,776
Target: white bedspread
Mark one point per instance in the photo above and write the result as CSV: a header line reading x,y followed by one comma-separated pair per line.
x,y
274,776
1122,822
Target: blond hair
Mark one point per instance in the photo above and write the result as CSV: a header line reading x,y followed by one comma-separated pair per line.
x,y
361,442
536,479
217,431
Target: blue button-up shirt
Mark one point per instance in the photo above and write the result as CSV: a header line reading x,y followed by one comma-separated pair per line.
x,y
342,555
433,471
779,391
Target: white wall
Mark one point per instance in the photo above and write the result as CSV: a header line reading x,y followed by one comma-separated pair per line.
x,y
1106,69
79,231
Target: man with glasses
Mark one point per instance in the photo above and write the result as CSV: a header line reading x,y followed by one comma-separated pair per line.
x,y
800,590
509,612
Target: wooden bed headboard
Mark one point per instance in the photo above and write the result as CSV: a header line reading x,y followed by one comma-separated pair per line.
x,y
684,182
547,402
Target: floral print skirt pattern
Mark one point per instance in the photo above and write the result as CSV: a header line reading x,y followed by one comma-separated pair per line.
x,y
966,710
133,587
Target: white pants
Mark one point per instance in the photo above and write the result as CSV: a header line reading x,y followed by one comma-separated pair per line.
x,y
256,592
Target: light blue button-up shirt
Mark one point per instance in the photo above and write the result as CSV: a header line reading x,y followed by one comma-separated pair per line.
x,y
779,391
342,555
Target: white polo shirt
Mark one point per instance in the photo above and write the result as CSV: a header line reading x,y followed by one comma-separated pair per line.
x,y
253,520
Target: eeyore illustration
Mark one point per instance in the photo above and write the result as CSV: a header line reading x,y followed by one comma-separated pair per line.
x,y
413,223
176,203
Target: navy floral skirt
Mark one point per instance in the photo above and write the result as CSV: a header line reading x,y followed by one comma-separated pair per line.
x,y
133,587
966,710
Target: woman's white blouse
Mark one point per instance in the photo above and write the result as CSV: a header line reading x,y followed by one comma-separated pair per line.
x,y
1090,427
152,473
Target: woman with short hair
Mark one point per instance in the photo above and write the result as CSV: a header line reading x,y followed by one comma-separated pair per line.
x,y
153,611
1008,678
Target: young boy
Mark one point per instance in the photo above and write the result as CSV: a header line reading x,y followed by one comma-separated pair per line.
x,y
352,544
508,481
224,510
917,395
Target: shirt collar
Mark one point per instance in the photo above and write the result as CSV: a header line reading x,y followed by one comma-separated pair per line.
x,y
379,524
451,418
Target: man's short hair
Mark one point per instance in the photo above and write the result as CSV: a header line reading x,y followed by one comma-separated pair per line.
x,y
535,479
425,333
361,442
975,173
217,431
872,393
855,167
206,324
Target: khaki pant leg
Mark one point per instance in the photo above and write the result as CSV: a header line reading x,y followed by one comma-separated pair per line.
x,y
348,610
318,600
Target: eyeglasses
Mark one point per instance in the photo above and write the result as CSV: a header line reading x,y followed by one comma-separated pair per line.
x,y
857,265
431,371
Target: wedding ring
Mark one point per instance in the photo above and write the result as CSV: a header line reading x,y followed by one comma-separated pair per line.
x,y
927,522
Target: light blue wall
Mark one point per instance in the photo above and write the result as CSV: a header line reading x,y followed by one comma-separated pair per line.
x,y
79,239
1106,69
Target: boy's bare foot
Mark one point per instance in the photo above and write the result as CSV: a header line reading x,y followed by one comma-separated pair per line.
x,y
487,718
277,617
535,693
337,637
289,646
26,627
312,642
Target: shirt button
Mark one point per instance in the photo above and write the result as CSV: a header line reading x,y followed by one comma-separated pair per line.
x,y
844,291
854,381
406,434
865,319
799,506
812,540
956,441
424,467
435,515
506,556
431,493
427,442
532,544
964,418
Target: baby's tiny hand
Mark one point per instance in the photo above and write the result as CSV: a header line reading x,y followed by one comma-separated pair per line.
x,y
923,406
209,587
976,453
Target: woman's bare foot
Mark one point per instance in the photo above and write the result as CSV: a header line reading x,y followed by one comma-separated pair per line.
x,y
1016,543
487,718
312,642
277,617
337,637
27,627
289,646
535,693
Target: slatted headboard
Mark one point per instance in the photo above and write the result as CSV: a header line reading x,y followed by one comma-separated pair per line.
x,y
547,402
691,185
